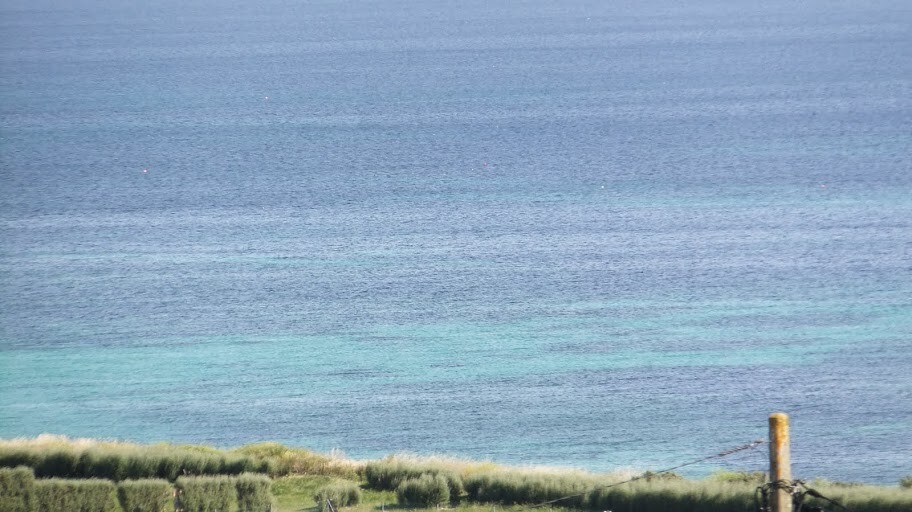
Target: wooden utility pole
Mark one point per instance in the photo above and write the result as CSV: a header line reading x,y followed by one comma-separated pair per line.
x,y
780,462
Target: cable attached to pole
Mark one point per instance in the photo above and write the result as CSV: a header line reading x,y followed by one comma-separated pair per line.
x,y
650,474
799,491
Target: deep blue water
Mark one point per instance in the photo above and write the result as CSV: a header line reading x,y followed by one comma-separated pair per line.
x,y
593,234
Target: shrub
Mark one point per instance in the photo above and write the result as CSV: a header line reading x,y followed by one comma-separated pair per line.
x,y
206,493
95,463
680,496
389,473
254,493
863,498
341,494
121,461
140,465
17,485
906,482
424,491
57,463
511,488
55,456
12,456
657,493
145,495
56,495
279,460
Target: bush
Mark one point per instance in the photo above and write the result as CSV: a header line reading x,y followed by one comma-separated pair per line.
x,y
906,482
14,456
863,498
254,493
655,492
56,495
118,461
56,456
389,473
424,491
279,460
341,494
57,463
206,493
527,488
680,496
95,463
17,485
145,495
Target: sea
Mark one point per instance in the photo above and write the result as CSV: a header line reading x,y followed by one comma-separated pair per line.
x,y
603,235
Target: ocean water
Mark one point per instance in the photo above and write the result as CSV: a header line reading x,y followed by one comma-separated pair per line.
x,y
592,234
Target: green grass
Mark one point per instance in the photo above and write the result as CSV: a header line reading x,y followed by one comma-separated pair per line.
x,y
295,493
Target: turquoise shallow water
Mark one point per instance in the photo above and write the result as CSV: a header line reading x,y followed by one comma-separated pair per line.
x,y
588,235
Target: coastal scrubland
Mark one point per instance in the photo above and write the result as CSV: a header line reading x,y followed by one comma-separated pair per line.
x,y
38,473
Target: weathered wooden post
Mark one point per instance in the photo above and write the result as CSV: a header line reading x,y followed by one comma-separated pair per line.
x,y
780,462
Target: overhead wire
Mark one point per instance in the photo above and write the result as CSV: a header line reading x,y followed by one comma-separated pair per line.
x,y
651,474
798,489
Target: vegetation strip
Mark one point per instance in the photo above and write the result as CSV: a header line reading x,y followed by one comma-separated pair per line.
x,y
305,479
